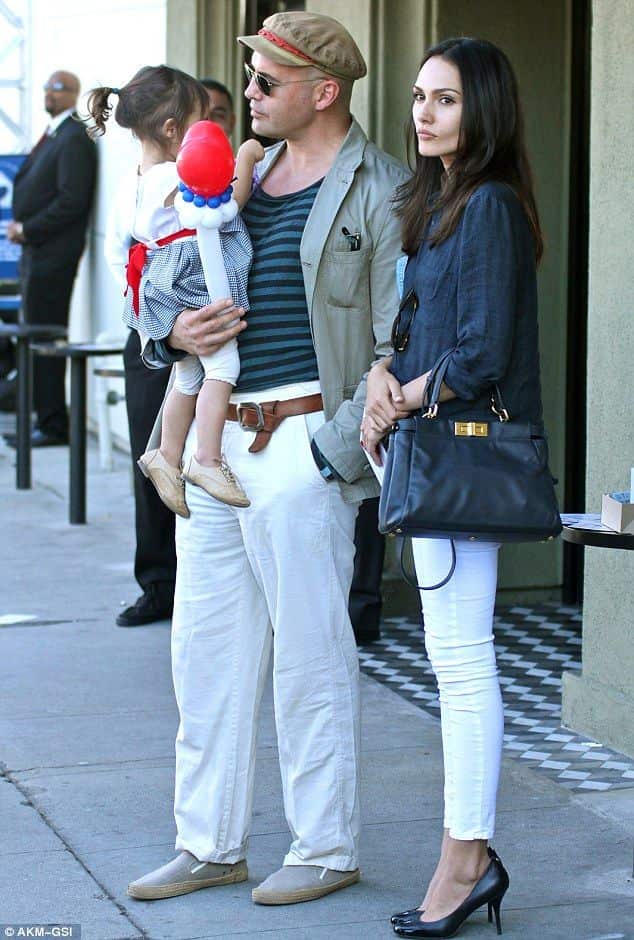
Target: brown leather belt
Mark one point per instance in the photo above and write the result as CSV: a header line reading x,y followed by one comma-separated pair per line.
x,y
265,417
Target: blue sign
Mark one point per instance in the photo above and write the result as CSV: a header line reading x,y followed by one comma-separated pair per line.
x,y
9,253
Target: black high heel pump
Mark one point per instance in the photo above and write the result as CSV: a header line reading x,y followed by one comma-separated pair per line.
x,y
489,890
417,911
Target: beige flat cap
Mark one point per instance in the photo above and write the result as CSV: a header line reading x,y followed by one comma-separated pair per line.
x,y
304,39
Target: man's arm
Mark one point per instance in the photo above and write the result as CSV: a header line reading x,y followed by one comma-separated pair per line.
x,y
338,439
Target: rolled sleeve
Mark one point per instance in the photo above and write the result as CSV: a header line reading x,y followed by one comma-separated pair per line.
x,y
486,296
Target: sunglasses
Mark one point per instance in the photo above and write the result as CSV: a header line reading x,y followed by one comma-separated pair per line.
x,y
55,86
404,319
266,85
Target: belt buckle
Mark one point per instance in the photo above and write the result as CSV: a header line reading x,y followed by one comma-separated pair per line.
x,y
254,406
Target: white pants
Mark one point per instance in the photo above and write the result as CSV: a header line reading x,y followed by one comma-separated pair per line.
x,y
275,575
223,365
459,640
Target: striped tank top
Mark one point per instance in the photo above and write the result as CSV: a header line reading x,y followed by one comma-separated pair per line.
x,y
277,347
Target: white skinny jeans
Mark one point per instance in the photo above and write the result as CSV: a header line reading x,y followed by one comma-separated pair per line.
x,y
458,620
276,575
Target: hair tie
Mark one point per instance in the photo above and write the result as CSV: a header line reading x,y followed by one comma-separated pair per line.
x,y
115,91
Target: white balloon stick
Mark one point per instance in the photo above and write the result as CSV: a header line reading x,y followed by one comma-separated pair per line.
x,y
207,222
213,263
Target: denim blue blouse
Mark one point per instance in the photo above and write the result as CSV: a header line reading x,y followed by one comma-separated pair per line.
x,y
477,292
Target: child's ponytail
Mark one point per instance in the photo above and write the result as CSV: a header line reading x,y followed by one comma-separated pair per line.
x,y
99,109
154,95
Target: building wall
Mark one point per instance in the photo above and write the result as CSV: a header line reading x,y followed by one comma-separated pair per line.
x,y
104,42
600,702
535,36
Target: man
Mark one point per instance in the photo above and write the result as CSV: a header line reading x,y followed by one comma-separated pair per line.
x,y
365,593
322,296
52,197
220,105
155,554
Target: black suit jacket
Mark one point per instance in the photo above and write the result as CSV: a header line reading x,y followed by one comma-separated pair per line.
x,y
53,191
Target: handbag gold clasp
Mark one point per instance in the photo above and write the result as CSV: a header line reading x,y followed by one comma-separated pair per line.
x,y
471,429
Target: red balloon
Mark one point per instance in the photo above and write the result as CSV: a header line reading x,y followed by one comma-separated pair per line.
x,y
205,160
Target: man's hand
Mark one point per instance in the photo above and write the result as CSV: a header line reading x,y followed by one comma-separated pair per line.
x,y
15,233
202,332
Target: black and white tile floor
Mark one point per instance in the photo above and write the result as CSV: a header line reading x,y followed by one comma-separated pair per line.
x,y
533,645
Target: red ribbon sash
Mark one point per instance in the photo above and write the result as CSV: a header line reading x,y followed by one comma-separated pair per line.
x,y
137,256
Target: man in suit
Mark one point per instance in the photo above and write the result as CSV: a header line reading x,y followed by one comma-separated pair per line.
x,y
52,197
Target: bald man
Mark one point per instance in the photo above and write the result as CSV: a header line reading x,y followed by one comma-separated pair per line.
x,y
52,197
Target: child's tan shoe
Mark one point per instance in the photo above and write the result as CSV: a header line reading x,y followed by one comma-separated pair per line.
x,y
168,481
219,481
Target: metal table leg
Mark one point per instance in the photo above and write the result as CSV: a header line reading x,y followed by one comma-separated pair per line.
x,y
25,397
77,440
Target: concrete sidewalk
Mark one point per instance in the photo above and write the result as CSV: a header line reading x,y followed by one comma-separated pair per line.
x,y
87,724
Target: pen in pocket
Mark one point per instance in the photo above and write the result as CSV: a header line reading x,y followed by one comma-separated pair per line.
x,y
353,239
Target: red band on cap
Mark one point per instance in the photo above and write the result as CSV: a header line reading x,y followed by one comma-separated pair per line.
x,y
282,44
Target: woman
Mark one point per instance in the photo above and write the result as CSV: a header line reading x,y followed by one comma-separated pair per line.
x,y
471,231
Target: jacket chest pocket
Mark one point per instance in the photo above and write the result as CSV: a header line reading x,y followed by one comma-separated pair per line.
x,y
346,274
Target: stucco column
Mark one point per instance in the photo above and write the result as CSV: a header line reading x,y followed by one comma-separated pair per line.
x,y
600,702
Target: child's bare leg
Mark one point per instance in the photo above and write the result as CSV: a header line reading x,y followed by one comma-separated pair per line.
x,y
211,413
178,414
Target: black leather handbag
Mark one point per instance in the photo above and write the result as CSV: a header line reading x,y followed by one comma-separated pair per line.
x,y
464,479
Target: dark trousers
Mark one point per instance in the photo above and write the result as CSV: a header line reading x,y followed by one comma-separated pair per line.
x,y
365,594
47,286
155,556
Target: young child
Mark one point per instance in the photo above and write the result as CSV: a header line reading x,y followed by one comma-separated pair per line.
x,y
165,274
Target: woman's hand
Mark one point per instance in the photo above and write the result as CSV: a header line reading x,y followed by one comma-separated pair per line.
x,y
384,401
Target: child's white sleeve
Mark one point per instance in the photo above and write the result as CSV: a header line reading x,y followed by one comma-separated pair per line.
x,y
119,233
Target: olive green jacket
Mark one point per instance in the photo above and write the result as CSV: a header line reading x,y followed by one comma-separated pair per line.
x,y
352,295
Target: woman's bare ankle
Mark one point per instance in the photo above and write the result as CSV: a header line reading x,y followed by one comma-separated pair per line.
x,y
465,860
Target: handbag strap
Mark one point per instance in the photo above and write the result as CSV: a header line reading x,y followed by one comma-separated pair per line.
x,y
433,386
429,587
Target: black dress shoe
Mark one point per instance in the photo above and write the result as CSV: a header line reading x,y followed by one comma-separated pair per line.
x,y
490,890
156,603
39,439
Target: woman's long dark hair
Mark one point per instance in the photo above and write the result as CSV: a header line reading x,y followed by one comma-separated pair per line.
x,y
491,147
152,96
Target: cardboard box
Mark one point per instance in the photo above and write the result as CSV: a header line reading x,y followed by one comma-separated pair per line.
x,y
617,512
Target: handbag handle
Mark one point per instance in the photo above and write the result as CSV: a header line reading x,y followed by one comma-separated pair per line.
x,y
433,385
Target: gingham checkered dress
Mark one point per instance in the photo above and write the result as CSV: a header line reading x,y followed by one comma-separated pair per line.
x,y
173,279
